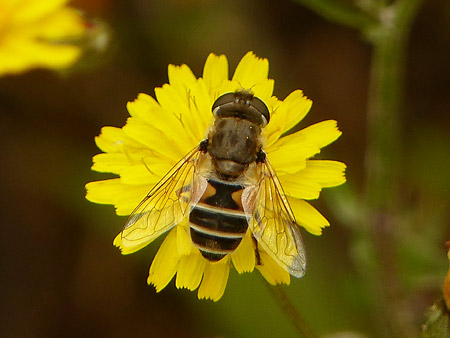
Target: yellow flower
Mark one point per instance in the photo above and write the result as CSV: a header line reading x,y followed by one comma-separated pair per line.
x,y
160,132
37,33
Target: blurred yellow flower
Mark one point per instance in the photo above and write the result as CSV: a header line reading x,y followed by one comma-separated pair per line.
x,y
38,33
161,132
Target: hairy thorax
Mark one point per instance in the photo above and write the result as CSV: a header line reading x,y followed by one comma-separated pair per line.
x,y
233,145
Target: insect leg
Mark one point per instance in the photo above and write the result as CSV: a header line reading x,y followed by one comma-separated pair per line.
x,y
257,255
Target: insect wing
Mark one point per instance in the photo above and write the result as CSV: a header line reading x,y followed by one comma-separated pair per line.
x,y
272,221
166,204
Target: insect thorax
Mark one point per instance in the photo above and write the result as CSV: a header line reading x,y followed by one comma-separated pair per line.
x,y
234,143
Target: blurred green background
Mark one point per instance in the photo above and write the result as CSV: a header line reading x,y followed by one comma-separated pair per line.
x,y
60,274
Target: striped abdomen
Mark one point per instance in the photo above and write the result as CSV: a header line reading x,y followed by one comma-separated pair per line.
x,y
218,222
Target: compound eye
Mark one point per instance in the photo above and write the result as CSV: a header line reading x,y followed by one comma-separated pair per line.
x,y
261,107
224,99
242,104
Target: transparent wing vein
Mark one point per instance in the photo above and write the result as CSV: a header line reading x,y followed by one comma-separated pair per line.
x,y
273,222
165,205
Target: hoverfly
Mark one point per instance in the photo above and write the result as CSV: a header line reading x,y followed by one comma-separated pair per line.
x,y
226,186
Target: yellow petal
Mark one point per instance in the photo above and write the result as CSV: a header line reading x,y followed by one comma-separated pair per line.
x,y
165,263
144,174
32,10
126,250
320,134
296,187
215,72
307,216
288,155
190,270
325,172
124,197
150,112
182,82
61,26
181,79
214,280
291,111
161,144
201,109
290,159
31,53
170,123
171,101
228,87
112,139
244,256
131,196
251,70
184,241
118,162
273,104
271,270
12,62
109,162
263,90
145,108
103,192
318,174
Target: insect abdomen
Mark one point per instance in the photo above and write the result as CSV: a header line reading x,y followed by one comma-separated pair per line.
x,y
218,223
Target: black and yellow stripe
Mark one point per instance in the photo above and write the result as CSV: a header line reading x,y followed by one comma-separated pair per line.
x,y
218,222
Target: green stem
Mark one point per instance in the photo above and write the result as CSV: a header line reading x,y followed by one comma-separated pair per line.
x,y
294,315
387,25
384,161
338,12
385,102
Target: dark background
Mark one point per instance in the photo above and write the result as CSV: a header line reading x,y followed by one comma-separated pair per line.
x,y
60,274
